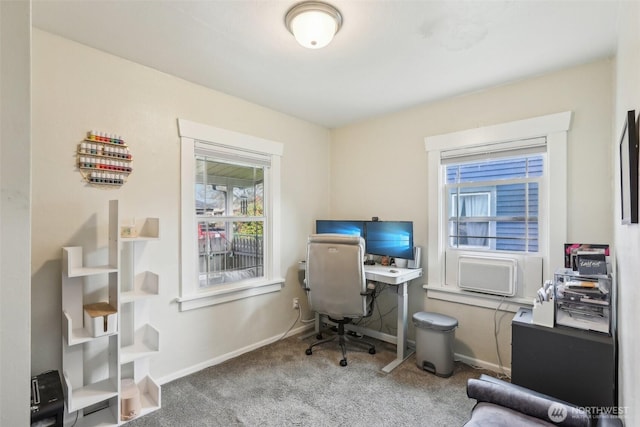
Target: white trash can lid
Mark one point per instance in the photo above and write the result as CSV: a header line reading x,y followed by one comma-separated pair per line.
x,y
429,320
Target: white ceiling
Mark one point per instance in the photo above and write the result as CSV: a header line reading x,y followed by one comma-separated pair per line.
x,y
389,54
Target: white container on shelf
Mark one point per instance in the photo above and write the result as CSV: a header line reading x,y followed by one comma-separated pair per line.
x,y
100,319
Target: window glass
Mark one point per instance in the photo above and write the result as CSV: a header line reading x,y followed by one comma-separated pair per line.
x,y
493,204
229,208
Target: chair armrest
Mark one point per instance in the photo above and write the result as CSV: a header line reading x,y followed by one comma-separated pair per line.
x,y
525,401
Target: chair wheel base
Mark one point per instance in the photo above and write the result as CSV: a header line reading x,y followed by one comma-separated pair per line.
x,y
343,362
372,351
308,352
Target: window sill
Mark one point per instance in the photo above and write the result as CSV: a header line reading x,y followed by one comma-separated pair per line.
x,y
493,302
221,294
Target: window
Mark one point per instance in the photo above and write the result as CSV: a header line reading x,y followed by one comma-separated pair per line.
x,y
230,215
491,202
229,210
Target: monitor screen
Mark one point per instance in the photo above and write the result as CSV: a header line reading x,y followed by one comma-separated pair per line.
x,y
390,238
324,226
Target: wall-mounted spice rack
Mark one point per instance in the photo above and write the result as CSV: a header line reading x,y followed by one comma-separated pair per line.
x,y
104,159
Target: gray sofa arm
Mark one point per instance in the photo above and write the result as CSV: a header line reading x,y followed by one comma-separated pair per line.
x,y
522,400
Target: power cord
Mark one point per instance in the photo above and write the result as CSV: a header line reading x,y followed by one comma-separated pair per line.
x,y
76,420
496,331
298,318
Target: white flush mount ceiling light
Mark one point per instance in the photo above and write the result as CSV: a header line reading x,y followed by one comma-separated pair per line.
x,y
313,23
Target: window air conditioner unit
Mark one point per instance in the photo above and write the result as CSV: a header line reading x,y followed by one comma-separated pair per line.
x,y
495,276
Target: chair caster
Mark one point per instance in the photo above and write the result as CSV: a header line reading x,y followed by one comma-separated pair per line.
x,y
308,352
343,362
319,336
372,351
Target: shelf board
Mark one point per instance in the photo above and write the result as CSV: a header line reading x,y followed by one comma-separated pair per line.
x,y
79,335
138,239
149,395
90,271
146,343
91,394
135,352
148,404
145,286
131,296
146,229
72,264
101,418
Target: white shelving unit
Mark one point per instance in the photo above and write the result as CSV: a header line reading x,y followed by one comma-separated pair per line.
x,y
94,366
139,340
90,365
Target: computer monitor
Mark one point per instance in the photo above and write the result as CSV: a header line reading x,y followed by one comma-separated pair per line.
x,y
351,228
390,238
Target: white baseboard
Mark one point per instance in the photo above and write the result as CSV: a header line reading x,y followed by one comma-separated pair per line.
x,y
224,357
471,361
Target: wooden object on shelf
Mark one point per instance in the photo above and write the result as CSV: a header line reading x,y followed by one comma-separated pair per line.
x,y
130,406
100,318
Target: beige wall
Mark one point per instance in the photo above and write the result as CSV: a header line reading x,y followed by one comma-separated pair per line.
x,y
627,237
378,168
76,89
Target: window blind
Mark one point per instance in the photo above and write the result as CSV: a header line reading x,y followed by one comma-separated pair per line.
x,y
494,151
232,155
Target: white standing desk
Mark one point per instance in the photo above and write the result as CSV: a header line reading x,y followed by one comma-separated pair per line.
x,y
400,278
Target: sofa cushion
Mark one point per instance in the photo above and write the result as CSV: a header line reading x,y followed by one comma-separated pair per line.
x,y
531,404
491,415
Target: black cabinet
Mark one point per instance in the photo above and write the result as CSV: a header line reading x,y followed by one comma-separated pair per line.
x,y
573,365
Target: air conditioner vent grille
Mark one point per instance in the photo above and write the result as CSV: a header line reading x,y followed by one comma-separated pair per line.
x,y
495,276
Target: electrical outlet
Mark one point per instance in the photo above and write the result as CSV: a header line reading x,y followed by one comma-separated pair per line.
x,y
296,303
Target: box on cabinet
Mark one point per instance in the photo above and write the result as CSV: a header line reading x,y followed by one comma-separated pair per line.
x,y
100,319
583,301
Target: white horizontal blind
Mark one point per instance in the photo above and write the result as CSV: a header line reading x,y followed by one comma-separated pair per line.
x,y
494,151
232,155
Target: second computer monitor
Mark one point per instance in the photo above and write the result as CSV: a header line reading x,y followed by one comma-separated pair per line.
x,y
384,238
390,238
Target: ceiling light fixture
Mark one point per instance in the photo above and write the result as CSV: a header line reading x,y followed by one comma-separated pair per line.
x,y
313,23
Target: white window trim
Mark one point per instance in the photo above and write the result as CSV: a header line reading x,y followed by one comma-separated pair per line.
x,y
554,128
191,295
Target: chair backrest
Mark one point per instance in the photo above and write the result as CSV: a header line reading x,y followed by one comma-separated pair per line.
x,y
335,275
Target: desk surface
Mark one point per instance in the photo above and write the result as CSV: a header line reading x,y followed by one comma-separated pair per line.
x,y
390,274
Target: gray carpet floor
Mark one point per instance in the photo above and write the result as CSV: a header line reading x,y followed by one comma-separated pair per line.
x,y
278,385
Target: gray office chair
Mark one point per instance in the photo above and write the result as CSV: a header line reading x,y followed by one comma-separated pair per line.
x,y
336,285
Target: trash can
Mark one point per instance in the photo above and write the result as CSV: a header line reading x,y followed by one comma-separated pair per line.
x,y
434,342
